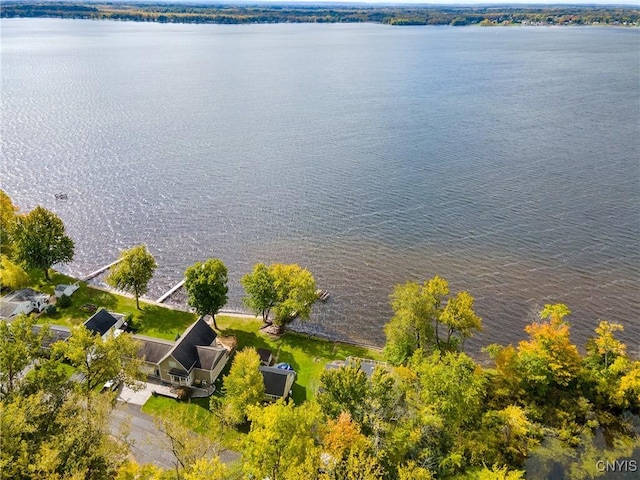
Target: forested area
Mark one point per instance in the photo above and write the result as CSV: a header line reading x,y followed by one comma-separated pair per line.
x,y
405,15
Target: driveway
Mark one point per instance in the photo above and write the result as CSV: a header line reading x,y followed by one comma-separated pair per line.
x,y
145,436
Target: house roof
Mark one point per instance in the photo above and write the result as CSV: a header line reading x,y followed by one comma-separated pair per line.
x,y
100,322
57,333
24,295
275,380
7,309
265,355
185,350
210,356
152,349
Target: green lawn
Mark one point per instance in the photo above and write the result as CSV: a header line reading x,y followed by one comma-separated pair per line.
x,y
307,355
151,320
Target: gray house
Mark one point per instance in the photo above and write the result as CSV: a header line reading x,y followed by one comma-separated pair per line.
x,y
193,358
24,301
102,322
277,382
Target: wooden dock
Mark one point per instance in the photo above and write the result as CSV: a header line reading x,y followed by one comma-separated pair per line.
x,y
100,270
323,295
170,292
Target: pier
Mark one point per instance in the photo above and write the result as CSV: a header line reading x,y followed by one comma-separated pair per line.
x,y
100,270
170,292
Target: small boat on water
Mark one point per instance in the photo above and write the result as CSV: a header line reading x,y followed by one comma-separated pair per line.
x,y
61,196
323,295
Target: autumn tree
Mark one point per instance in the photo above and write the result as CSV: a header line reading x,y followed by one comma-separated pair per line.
x,y
193,454
206,286
283,442
133,272
20,345
243,386
426,318
40,240
12,275
7,223
288,291
98,361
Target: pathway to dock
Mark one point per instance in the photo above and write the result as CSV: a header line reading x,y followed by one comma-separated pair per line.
x,y
100,270
173,289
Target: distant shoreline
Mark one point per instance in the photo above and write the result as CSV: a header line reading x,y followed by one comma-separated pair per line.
x,y
420,15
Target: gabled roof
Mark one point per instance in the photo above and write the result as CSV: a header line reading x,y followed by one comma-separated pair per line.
x,y
185,350
57,333
275,380
24,295
153,349
210,356
100,322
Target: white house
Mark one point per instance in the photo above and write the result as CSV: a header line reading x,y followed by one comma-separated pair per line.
x,y
67,290
24,301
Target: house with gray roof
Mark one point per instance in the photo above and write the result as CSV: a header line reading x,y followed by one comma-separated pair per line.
x,y
24,301
277,382
194,357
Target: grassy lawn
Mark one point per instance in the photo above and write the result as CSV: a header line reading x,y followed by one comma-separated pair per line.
x,y
151,320
307,355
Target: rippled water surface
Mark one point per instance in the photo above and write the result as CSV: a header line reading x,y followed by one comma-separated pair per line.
x,y
505,160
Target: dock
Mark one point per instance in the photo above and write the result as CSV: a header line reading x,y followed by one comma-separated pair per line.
x,y
100,270
173,289
323,295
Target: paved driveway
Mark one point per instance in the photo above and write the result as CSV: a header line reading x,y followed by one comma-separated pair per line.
x,y
147,447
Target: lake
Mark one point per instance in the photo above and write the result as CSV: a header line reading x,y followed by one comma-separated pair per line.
x,y
506,160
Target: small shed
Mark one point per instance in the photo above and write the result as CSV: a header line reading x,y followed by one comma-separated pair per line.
x,y
67,290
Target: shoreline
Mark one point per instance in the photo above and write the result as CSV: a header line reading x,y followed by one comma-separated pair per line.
x,y
227,313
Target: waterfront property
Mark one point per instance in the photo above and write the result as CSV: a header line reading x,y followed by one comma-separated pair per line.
x,y
24,301
367,365
103,323
196,358
277,382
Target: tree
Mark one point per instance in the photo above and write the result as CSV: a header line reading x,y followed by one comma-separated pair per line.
x,y
288,291
243,386
12,275
192,453
133,272
422,313
344,389
261,291
283,441
99,361
206,285
19,347
40,241
7,223
606,344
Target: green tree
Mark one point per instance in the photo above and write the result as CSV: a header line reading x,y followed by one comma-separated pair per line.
x,y
12,275
98,361
40,240
206,285
344,389
422,313
192,452
7,223
295,292
283,442
19,347
243,386
261,291
133,272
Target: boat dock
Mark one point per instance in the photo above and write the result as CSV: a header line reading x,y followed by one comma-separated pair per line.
x,y
170,292
100,270
323,295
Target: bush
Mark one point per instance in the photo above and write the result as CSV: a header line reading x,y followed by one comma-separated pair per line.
x,y
64,301
50,310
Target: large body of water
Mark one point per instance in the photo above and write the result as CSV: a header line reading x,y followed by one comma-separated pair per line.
x,y
506,160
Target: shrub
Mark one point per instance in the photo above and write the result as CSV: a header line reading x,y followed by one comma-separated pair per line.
x,y
64,301
50,310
